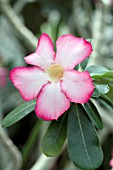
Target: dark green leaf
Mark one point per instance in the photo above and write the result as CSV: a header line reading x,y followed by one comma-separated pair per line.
x,y
93,114
18,113
83,144
84,63
77,67
96,93
55,137
105,104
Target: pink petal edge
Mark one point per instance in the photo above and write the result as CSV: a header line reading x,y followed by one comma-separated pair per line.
x,y
111,163
77,86
45,37
44,55
72,50
51,102
28,80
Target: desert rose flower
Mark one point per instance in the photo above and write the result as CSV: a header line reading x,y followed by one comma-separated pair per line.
x,y
52,80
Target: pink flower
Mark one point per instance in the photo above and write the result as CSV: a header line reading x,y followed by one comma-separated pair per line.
x,y
52,79
3,74
111,161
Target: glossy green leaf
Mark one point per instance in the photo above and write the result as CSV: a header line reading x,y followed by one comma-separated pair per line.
x,y
96,93
109,95
105,104
97,69
93,114
107,75
102,88
83,144
55,136
19,113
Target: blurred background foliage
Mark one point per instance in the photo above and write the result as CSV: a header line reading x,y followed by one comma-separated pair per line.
x,y
21,23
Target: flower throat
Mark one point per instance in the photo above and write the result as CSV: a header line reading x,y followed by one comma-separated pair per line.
x,y
55,72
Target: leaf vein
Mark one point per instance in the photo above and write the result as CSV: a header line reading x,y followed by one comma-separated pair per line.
x,y
83,137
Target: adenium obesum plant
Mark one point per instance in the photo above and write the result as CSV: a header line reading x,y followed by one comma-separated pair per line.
x,y
52,80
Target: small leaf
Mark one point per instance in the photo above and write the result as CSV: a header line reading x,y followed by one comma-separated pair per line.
x,y
102,88
93,114
19,113
55,136
105,104
83,144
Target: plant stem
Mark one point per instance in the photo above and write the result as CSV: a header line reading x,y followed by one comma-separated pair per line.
x,y
44,163
28,38
10,153
31,141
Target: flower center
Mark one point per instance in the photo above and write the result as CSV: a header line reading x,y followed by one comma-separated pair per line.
x,y
55,72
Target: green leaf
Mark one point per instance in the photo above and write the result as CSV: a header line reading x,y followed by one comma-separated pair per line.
x,y
55,136
96,69
83,144
84,63
96,93
19,113
109,96
89,39
93,114
107,74
102,88
105,104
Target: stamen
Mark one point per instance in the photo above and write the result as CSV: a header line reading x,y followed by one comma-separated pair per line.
x,y
55,72
80,69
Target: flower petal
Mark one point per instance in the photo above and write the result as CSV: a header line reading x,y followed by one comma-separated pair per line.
x,y
28,80
72,50
44,55
77,86
111,163
51,102
33,59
